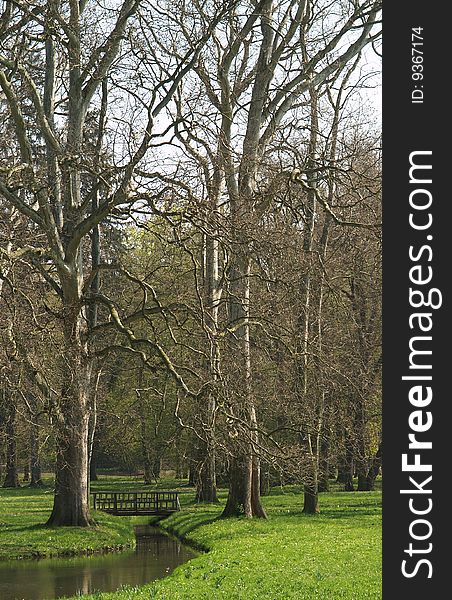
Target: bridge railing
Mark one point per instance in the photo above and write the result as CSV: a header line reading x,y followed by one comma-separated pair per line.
x,y
140,502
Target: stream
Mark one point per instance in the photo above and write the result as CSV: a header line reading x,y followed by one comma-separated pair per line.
x,y
154,557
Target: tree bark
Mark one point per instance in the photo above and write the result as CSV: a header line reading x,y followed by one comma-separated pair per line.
x,y
71,501
192,474
152,467
35,462
148,474
324,483
375,468
348,464
361,463
237,500
312,441
157,467
206,488
11,475
366,481
341,473
264,481
311,499
244,484
93,466
95,283
71,505
244,489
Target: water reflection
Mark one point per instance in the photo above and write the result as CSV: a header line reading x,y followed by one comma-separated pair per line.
x,y
155,556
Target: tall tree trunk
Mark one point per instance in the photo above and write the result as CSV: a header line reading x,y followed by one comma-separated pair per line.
x,y
244,483
95,282
206,488
152,468
148,466
71,505
244,493
181,472
348,463
35,462
11,476
156,467
93,465
236,497
265,480
304,318
361,461
324,483
311,499
71,501
192,473
244,486
374,468
92,427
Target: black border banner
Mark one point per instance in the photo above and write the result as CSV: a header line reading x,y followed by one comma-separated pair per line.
x,y
416,330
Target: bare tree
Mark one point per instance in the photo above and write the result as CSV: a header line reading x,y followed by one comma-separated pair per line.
x,y
262,62
53,198
109,109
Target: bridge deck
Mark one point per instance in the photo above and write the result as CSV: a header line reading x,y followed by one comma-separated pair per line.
x,y
136,503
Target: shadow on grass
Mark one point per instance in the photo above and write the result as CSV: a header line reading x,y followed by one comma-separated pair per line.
x,y
35,527
42,526
186,523
328,512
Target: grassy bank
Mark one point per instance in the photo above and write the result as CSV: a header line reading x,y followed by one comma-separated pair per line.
x,y
24,511
332,556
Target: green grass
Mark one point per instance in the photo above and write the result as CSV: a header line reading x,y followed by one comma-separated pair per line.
x,y
24,511
332,556
335,555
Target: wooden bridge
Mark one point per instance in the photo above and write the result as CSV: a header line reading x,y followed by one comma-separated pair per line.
x,y
136,503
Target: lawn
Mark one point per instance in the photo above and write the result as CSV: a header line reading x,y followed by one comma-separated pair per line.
x,y
24,511
332,556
